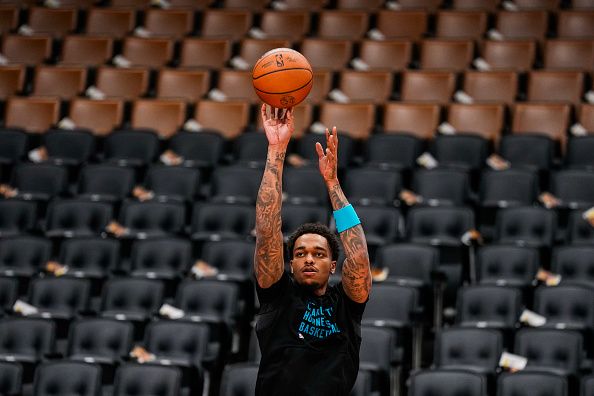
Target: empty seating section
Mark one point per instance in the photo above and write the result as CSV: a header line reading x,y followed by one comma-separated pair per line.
x,y
132,150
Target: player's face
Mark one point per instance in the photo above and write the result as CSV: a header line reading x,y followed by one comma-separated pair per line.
x,y
312,261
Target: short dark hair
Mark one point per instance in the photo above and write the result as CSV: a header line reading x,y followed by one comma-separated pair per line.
x,y
315,228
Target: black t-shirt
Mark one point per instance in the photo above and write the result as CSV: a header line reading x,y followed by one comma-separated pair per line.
x,y
310,345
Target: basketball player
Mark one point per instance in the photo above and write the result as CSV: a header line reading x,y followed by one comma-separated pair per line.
x,y
309,332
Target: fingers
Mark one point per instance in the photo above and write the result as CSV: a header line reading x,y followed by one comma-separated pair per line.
x,y
319,150
263,112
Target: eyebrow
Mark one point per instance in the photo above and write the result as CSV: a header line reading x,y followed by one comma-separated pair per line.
x,y
316,248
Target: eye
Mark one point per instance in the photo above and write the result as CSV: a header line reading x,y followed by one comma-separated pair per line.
x,y
299,254
320,254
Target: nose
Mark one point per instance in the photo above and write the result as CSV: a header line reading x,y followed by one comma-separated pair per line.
x,y
309,259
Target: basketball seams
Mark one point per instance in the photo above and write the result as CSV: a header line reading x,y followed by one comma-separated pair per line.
x,y
283,93
282,70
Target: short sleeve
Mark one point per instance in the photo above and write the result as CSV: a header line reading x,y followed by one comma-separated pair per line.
x,y
274,292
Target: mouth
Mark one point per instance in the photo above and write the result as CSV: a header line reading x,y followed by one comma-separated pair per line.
x,y
309,271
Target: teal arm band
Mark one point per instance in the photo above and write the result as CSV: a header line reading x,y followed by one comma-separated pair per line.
x,y
345,218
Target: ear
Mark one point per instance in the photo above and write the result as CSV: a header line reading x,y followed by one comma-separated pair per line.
x,y
333,267
291,265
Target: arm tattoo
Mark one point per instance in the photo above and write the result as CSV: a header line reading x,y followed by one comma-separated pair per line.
x,y
268,260
356,274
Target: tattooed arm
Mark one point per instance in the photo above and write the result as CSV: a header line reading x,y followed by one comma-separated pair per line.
x,y
268,259
356,274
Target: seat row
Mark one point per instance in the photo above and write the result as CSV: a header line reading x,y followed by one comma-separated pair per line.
x,y
328,23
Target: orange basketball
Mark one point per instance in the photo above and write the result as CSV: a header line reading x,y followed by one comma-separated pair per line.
x,y
282,77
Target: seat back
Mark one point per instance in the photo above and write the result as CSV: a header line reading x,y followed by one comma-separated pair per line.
x,y
303,186
441,54
447,383
566,305
493,306
442,186
370,186
555,86
142,296
57,22
522,24
285,24
166,217
90,254
230,257
67,378
187,85
427,86
169,23
419,120
532,226
578,152
42,180
409,263
107,181
510,187
60,296
162,254
381,224
100,338
560,350
11,378
79,216
175,183
533,384
231,24
235,184
210,53
110,22
213,218
327,54
367,86
16,217
147,52
491,86
355,119
294,215
101,117
532,151
31,51
228,118
468,348
507,265
439,224
239,379
164,116
27,337
141,379
392,305
575,188
516,55
203,149
69,147
64,82
574,263
486,120
24,255
86,51
209,298
190,343
461,24
13,144
575,24
34,115
567,54
12,79
141,146
403,24
342,24
392,151
392,55
128,83
460,151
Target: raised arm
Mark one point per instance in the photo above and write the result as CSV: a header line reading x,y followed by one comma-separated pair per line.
x,y
268,258
356,273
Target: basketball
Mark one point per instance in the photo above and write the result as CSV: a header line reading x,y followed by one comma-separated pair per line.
x,y
282,78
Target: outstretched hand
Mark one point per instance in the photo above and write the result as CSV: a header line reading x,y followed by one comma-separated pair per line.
x,y
328,159
278,130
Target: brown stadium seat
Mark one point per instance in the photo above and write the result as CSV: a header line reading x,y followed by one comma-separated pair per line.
x,y
252,49
555,86
169,23
24,49
100,116
230,24
309,5
402,24
461,24
64,82
493,86
362,86
302,115
237,85
57,22
546,118
110,22
586,116
484,5
485,120
81,4
148,52
327,54
582,5
9,18
575,25
419,120
122,83
427,86
429,5
322,84
32,114
522,24
188,85
289,25
12,78
509,54
190,4
548,5
86,50
134,4
359,4
254,5
454,55
354,119
229,118
569,54
340,24
164,116
209,53
393,55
